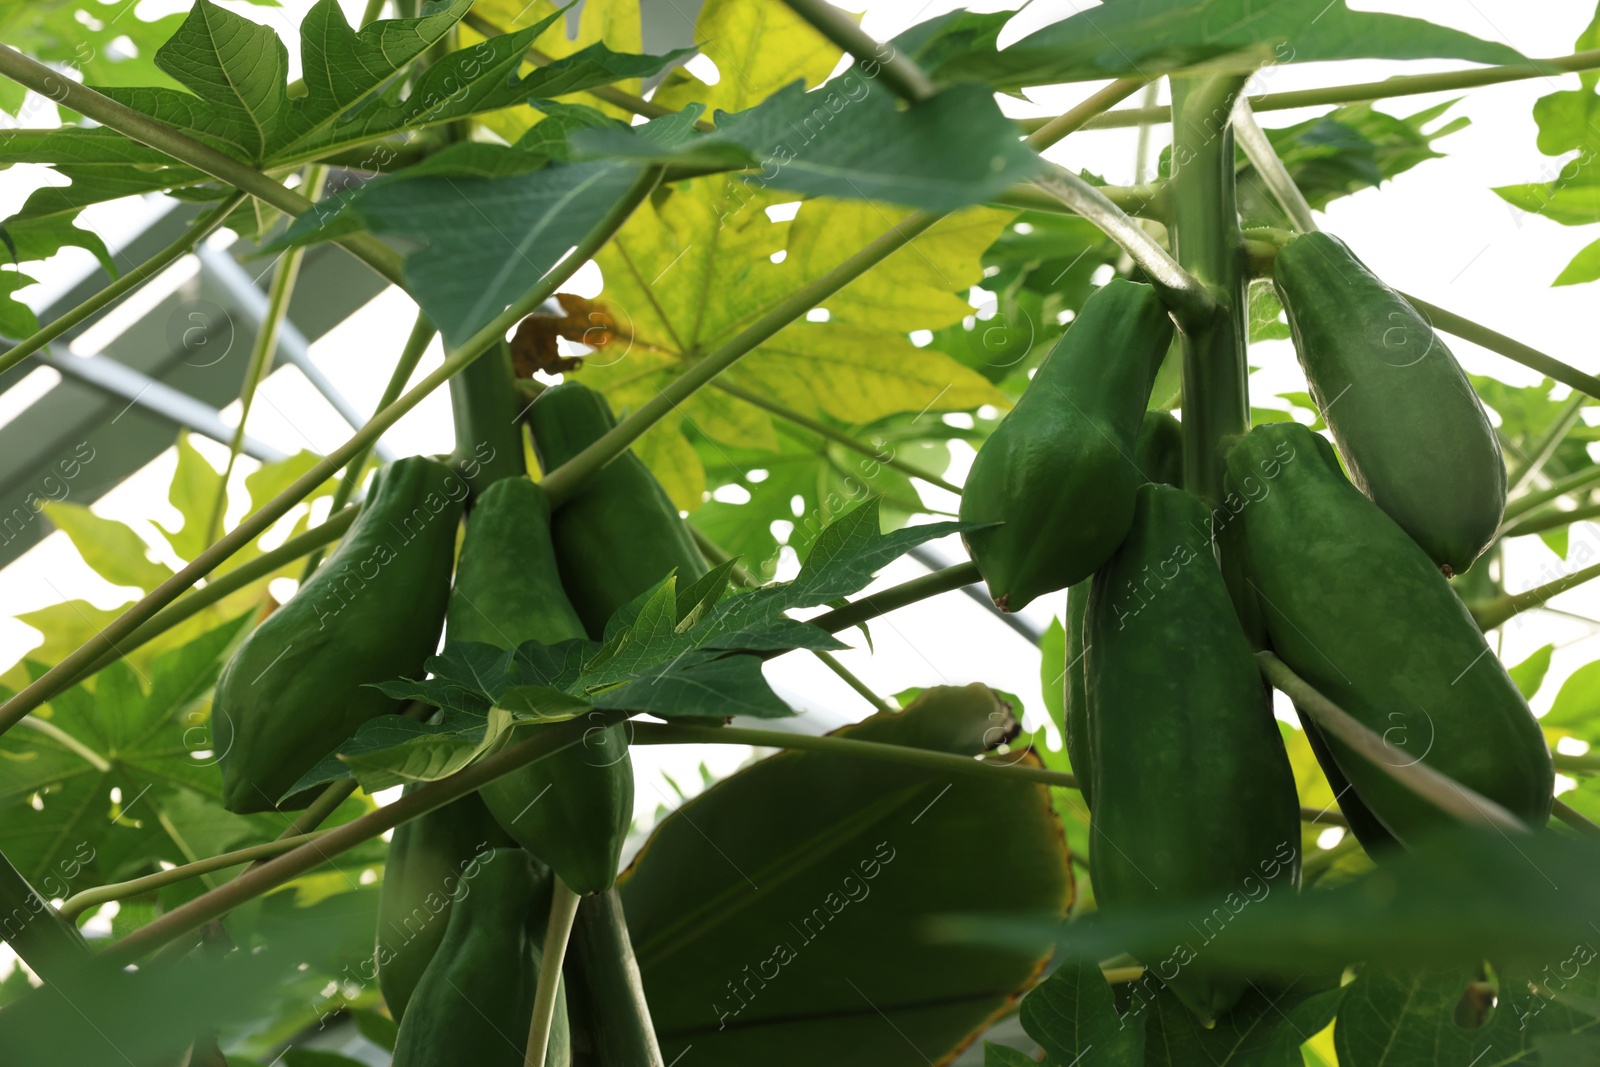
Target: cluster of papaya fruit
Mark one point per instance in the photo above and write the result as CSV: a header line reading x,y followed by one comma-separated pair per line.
x,y
467,888
1169,725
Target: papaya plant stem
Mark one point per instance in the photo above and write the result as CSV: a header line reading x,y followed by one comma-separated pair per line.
x,y
563,909
1557,489
284,275
615,1013
1498,610
560,483
185,149
417,342
1566,814
1274,175
257,523
1447,794
898,596
1092,105
124,285
887,458
79,903
1550,519
653,733
1512,349
1534,460
1146,200
899,75
1360,92
297,861
848,677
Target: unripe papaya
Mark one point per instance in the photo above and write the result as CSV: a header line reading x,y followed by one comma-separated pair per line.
x,y
1158,453
474,1002
300,684
619,534
422,878
1194,799
1412,431
1358,610
573,808
1057,473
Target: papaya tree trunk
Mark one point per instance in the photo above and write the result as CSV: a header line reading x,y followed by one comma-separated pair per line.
x,y
610,1019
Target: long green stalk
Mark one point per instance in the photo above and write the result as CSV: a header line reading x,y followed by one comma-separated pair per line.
x,y
888,459
1566,813
900,75
563,909
607,996
881,603
1002,767
292,864
259,522
185,149
1447,794
1582,479
1512,349
1361,92
417,342
124,285
79,903
848,677
284,275
1500,609
1550,519
1533,462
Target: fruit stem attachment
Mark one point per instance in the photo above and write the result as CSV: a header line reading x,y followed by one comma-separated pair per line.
x,y
1498,610
563,909
1448,795
1274,175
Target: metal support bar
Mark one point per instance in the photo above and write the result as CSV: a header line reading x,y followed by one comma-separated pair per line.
x,y
292,344
119,379
932,561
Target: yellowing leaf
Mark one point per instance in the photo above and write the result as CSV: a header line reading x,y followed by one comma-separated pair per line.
x,y
859,375
614,22
666,452
691,270
758,47
114,551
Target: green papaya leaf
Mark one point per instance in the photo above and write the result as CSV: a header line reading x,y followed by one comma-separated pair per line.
x,y
781,915
1529,674
1073,1016
112,549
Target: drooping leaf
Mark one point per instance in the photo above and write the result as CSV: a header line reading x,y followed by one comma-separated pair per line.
x,y
779,917
1145,38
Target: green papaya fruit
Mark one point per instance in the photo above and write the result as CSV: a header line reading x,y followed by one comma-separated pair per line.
x,y
1158,453
1194,799
422,878
572,809
1412,431
1057,473
484,406
300,684
619,534
474,1002
1361,613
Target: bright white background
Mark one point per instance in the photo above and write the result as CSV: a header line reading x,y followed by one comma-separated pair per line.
x,y
1437,231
